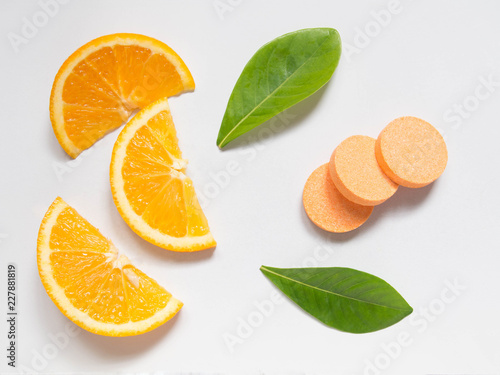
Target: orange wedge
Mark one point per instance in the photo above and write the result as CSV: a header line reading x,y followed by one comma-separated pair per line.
x,y
101,83
150,187
91,284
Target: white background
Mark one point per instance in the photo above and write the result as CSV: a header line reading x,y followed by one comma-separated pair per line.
x,y
427,60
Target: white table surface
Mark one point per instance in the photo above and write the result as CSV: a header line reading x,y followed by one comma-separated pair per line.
x,y
431,59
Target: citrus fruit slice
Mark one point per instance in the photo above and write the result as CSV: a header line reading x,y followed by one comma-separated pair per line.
x,y
101,83
150,187
91,284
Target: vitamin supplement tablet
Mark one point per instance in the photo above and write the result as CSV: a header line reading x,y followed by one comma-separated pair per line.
x,y
356,173
411,152
327,208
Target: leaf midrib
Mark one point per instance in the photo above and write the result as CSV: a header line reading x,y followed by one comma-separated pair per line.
x,y
333,293
271,94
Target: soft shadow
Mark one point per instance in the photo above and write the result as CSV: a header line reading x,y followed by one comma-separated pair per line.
x,y
58,152
405,199
134,240
115,348
325,235
291,118
109,348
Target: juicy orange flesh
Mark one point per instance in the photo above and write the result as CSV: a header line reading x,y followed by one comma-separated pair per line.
x,y
167,211
158,79
73,232
155,183
85,125
82,263
104,88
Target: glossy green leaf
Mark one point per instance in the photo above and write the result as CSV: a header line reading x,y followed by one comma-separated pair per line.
x,y
343,298
280,74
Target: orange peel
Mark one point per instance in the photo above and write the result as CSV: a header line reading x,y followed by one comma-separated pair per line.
x,y
150,186
99,86
92,284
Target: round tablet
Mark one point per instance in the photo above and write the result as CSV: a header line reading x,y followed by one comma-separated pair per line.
x,y
411,152
356,173
329,209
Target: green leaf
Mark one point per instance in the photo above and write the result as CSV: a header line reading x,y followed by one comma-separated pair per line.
x,y
280,74
343,298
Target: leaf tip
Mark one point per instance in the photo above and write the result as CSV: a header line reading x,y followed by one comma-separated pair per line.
x,y
265,270
220,142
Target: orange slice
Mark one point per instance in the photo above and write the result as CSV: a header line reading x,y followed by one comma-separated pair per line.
x,y
91,284
150,187
101,83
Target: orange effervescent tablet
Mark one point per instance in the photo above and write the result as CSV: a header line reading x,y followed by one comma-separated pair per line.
x,y
328,208
411,152
356,173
